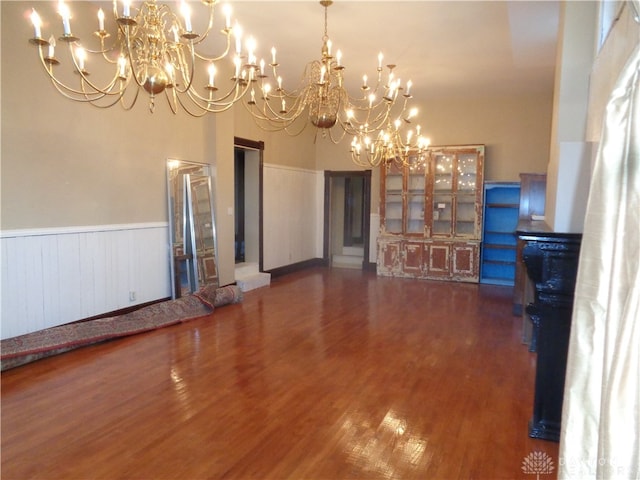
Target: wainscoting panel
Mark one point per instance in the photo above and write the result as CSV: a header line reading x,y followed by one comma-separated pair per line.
x,y
59,275
291,209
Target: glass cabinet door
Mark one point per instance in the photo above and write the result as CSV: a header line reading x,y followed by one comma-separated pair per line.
x,y
442,194
393,199
416,185
466,170
465,215
443,173
442,214
467,166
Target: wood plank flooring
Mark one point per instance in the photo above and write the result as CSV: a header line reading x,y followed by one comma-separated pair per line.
x,y
326,374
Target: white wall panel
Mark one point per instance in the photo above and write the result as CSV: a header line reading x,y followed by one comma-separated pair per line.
x,y
56,276
290,215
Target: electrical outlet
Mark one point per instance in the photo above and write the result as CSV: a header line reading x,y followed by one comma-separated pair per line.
x,y
132,296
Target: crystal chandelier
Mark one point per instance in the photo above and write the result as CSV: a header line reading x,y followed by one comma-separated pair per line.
x,y
375,117
154,50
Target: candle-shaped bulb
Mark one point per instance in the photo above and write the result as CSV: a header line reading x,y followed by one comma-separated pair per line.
x,y
329,44
237,62
37,23
372,98
64,12
323,71
227,15
396,123
262,66
364,81
409,84
251,48
100,20
279,83
212,74
122,66
338,57
52,47
168,67
81,56
273,55
409,135
380,57
186,13
126,8
284,105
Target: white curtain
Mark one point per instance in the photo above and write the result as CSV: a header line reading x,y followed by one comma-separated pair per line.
x,y
600,436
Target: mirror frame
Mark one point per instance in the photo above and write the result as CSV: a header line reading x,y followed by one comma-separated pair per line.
x,y
193,246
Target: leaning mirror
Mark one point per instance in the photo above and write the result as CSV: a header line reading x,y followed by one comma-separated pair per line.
x,y
191,226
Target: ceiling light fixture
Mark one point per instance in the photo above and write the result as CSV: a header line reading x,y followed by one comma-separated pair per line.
x,y
153,49
375,117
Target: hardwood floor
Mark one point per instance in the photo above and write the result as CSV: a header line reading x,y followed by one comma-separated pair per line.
x,y
326,374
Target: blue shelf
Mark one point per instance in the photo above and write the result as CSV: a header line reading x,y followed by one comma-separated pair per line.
x,y
498,257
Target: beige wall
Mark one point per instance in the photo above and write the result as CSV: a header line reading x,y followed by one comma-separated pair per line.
x,y
515,130
570,156
68,164
280,148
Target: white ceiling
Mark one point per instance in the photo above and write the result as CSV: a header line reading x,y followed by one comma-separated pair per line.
x,y
447,48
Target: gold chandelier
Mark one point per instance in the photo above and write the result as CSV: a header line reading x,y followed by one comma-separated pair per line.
x,y
396,142
153,49
375,117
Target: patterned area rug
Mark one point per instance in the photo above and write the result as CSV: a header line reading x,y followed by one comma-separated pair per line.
x,y
52,341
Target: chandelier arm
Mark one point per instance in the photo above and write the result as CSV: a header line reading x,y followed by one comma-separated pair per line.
x,y
133,102
202,112
71,94
84,79
188,67
270,124
68,92
336,140
213,105
129,54
235,91
219,57
288,129
207,31
284,119
119,98
103,49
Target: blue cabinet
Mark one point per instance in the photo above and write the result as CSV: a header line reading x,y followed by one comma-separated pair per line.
x,y
498,251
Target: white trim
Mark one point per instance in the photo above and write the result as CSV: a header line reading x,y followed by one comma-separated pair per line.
x,y
35,232
294,169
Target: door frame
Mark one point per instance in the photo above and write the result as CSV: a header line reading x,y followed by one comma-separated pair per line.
x,y
245,143
326,241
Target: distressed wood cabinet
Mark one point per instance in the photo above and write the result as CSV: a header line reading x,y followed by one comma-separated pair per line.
x,y
431,215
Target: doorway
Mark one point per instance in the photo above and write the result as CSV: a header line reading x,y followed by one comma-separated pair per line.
x,y
346,219
248,203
